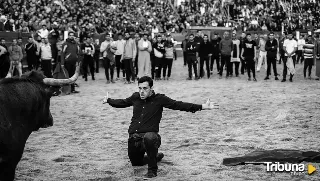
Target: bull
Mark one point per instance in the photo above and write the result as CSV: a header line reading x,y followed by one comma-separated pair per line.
x,y
24,108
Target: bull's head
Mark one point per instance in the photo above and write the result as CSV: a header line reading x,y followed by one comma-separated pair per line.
x,y
43,117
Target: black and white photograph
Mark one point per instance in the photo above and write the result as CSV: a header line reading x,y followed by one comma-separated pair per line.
x,y
162,90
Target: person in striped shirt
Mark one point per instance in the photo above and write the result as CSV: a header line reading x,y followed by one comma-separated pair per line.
x,y
308,56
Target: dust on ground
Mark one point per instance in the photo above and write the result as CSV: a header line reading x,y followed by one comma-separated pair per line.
x,y
89,140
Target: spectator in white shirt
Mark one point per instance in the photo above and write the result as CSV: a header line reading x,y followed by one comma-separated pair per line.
x,y
46,58
301,42
43,33
290,47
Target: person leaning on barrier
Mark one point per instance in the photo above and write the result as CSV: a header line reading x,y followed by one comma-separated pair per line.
x,y
144,127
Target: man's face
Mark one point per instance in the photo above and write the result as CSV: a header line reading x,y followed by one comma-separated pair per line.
x,y
45,40
243,35
271,36
249,37
215,37
290,36
127,35
144,90
97,41
256,36
108,37
159,39
309,38
199,33
120,37
44,27
226,34
205,38
3,42
30,40
19,41
71,36
191,37
14,42
145,37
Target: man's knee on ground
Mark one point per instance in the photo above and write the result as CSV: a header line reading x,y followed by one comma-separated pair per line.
x,y
151,138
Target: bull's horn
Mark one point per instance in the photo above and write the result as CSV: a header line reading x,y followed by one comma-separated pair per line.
x,y
61,82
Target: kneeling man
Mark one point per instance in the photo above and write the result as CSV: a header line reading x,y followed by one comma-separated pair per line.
x,y
147,112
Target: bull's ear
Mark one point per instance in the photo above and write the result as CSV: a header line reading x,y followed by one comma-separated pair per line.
x,y
49,91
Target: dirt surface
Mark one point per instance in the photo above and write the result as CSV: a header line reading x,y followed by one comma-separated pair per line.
x,y
89,140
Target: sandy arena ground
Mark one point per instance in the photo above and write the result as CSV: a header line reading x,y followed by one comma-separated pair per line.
x,y
89,140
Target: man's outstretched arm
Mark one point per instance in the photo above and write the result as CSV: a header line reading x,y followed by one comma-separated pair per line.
x,y
185,106
118,103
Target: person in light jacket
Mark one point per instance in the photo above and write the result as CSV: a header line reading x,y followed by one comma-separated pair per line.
x,y
144,49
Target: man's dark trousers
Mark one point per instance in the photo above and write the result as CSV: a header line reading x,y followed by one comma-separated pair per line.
x,y
138,144
192,62
128,64
225,60
202,60
251,66
273,61
71,68
46,66
285,68
217,59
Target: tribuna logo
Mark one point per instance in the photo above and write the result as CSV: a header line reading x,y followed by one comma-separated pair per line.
x,y
285,167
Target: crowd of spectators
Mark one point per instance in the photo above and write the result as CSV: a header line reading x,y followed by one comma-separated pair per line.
x,y
99,16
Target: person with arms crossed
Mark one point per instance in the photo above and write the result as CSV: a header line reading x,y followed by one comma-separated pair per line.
x,y
248,54
271,48
144,127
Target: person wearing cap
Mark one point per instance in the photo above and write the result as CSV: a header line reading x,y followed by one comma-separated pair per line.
x,y
290,47
144,49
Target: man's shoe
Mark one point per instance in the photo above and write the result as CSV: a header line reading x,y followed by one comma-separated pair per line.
x,y
267,78
249,79
108,81
290,80
86,79
149,175
196,78
93,78
74,92
159,157
112,81
76,85
254,79
189,78
283,80
309,77
276,78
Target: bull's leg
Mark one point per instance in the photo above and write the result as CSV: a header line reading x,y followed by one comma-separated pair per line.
x,y
8,167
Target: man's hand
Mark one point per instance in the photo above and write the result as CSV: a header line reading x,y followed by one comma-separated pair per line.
x,y
105,99
209,105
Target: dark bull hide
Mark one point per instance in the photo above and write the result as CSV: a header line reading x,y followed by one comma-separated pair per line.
x,y
24,107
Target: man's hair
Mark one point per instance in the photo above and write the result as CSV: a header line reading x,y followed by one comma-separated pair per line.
x,y
2,39
29,37
271,33
19,38
146,79
119,34
71,32
216,34
248,34
206,35
14,39
191,34
159,35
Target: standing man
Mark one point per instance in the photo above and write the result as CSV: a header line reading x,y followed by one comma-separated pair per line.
x,y
192,57
226,52
271,48
4,59
243,62
46,58
69,56
301,42
168,57
184,48
96,55
235,57
88,53
136,65
308,53
128,57
15,56
31,51
215,53
159,51
120,45
262,52
248,54
290,47
144,49
106,60
205,53
144,128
